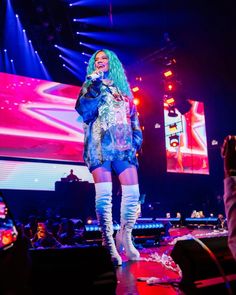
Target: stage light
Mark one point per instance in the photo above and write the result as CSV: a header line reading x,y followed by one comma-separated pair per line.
x,y
174,140
169,85
169,101
169,61
157,125
168,73
135,89
91,221
205,222
214,142
136,101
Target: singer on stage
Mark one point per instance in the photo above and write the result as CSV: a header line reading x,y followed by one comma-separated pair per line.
x,y
112,138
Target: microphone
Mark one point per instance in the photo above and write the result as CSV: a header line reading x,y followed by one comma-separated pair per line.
x,y
95,76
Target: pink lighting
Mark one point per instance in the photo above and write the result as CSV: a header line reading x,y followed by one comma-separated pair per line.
x,y
38,119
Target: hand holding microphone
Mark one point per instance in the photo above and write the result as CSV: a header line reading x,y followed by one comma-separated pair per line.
x,y
97,75
95,84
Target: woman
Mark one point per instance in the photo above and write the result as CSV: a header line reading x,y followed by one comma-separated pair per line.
x,y
112,138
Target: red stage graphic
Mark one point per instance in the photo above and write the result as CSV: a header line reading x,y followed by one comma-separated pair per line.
x,y
38,120
189,132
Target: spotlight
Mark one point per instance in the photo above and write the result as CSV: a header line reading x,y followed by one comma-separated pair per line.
x,y
168,73
174,140
214,142
169,86
169,61
170,100
135,89
136,101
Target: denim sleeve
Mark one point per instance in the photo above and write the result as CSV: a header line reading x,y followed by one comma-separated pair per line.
x,y
137,132
88,101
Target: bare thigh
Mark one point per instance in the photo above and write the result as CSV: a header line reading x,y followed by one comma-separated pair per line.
x,y
101,174
129,176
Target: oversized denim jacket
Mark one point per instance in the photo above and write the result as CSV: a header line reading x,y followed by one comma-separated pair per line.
x,y
111,125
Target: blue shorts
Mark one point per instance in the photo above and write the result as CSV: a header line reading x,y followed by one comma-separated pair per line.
x,y
117,166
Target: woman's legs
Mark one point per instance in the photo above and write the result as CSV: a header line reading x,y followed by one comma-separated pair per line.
x,y
129,211
103,205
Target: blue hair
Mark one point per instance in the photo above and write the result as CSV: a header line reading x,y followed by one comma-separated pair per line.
x,y
116,71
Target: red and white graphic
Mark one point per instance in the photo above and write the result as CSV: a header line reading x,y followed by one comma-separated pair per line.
x,y
187,153
38,119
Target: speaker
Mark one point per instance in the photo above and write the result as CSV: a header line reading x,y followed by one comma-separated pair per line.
x,y
73,270
207,265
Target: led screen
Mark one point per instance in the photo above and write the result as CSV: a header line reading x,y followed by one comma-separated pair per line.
x,y
37,176
186,141
38,120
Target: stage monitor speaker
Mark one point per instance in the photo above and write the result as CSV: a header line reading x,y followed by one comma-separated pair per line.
x,y
207,266
77,270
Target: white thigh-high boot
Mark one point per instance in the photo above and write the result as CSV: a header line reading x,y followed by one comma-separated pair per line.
x,y
104,215
129,214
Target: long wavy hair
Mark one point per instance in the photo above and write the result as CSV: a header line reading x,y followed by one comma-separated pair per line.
x,y
116,71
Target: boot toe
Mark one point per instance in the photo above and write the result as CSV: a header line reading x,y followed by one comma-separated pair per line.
x,y
135,255
117,261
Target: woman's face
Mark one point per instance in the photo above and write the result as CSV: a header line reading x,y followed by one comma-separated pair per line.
x,y
101,62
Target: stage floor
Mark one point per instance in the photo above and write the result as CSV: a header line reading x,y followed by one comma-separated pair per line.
x,y
156,272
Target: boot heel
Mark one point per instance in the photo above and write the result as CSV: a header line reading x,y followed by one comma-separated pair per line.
x,y
115,256
117,261
119,244
131,252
